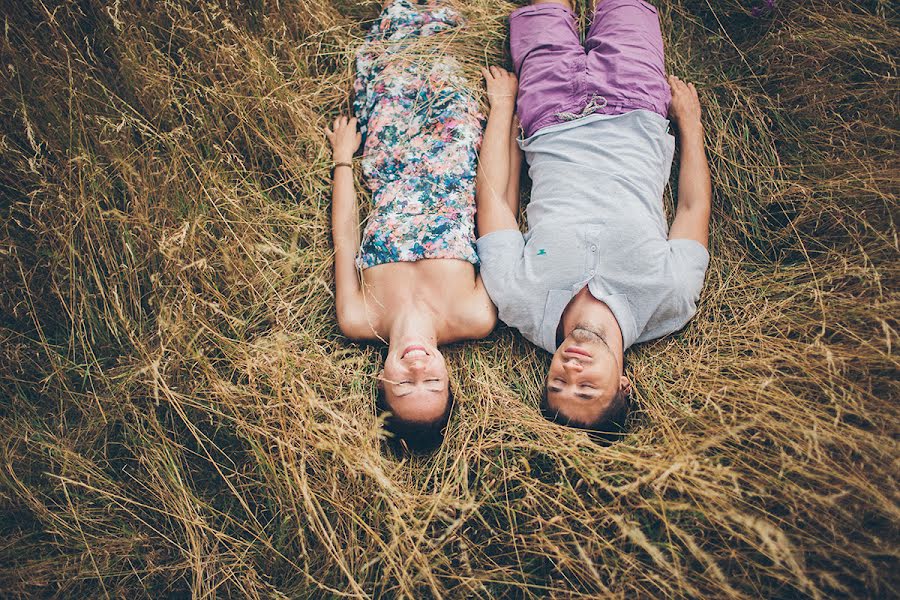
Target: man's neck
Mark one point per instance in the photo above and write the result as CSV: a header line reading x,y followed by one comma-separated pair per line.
x,y
589,313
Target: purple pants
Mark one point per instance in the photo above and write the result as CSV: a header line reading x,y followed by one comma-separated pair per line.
x,y
620,68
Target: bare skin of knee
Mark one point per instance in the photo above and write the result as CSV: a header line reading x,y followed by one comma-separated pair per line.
x,y
565,3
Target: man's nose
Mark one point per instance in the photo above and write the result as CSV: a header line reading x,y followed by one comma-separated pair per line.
x,y
573,364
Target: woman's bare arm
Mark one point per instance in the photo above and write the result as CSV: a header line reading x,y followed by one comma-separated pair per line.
x,y
345,230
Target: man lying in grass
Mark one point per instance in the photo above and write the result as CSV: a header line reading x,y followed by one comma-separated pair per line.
x,y
597,270
419,287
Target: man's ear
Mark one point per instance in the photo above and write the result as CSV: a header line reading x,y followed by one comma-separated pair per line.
x,y
625,385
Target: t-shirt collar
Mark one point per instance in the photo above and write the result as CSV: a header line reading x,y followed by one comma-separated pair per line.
x,y
559,299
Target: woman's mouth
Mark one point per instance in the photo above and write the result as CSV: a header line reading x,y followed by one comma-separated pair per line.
x,y
414,352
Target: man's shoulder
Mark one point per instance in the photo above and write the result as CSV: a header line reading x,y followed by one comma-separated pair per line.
x,y
510,242
500,256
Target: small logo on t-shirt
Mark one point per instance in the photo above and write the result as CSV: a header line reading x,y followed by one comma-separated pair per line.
x,y
541,252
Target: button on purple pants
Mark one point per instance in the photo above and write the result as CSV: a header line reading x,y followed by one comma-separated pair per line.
x,y
620,68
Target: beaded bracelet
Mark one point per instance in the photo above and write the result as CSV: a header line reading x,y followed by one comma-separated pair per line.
x,y
340,164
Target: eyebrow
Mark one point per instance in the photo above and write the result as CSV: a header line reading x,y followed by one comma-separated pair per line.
x,y
556,390
435,391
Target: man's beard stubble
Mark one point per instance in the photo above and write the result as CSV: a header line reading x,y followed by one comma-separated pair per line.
x,y
586,333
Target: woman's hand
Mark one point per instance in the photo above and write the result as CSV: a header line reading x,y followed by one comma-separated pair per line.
x,y
501,87
344,139
685,106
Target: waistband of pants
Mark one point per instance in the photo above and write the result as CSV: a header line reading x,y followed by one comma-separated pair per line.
x,y
613,106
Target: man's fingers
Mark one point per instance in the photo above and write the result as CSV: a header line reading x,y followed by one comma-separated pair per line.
x,y
485,73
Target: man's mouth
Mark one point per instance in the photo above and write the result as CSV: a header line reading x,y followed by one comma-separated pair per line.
x,y
414,352
577,352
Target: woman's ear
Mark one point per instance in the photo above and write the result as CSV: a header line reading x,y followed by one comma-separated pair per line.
x,y
625,385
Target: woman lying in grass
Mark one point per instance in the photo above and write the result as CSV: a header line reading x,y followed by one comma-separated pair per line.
x,y
419,287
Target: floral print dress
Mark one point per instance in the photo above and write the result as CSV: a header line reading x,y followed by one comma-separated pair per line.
x,y
422,130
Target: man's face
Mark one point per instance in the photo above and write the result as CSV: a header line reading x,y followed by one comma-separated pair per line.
x,y
584,377
416,383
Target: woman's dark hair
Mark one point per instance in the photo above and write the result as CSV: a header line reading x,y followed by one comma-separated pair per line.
x,y
415,437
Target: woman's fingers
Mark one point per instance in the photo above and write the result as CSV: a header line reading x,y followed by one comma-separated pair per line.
x,y
342,122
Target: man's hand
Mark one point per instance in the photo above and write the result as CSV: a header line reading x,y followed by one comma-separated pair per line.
x,y
685,106
501,87
344,139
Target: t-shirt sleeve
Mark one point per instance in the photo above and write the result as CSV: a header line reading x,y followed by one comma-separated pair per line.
x,y
500,253
689,266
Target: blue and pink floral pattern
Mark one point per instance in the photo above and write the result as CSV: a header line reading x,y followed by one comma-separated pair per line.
x,y
422,130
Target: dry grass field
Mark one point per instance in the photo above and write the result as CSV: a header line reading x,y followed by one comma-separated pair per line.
x,y
180,416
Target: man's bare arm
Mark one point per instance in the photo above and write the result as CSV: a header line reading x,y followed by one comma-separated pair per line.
x,y
491,185
694,183
515,169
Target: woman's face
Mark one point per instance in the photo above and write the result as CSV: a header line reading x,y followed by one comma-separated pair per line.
x,y
416,383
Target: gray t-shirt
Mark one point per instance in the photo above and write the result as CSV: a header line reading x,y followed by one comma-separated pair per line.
x,y
596,218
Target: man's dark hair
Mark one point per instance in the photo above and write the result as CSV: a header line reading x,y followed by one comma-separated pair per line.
x,y
418,437
609,426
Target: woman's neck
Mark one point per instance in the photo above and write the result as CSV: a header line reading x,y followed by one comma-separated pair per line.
x,y
413,323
